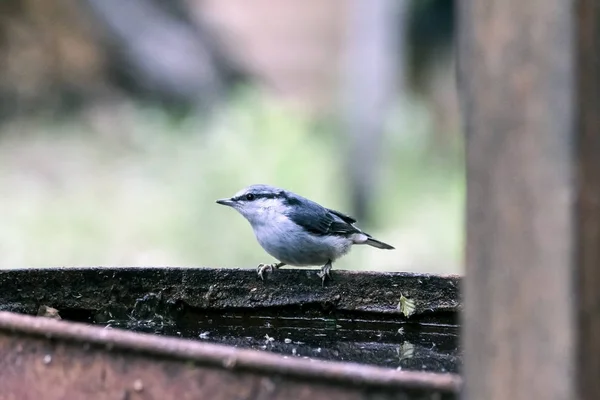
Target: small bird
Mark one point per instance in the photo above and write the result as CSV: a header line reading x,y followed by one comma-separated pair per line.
x,y
297,231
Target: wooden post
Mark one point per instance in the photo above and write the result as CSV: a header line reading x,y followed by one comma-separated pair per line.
x,y
529,76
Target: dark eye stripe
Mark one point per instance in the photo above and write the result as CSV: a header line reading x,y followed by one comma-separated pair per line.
x,y
257,196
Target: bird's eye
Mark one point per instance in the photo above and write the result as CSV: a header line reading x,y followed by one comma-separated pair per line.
x,y
249,197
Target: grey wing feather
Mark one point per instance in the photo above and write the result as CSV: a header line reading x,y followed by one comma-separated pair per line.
x,y
346,218
322,221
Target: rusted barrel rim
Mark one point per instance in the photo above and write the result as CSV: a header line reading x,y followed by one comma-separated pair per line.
x,y
226,357
227,288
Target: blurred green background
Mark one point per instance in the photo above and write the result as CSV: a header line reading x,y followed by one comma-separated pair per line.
x,y
112,153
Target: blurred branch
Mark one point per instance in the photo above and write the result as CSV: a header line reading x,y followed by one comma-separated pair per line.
x,y
58,56
161,53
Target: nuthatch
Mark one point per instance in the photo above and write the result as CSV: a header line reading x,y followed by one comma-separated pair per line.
x,y
297,231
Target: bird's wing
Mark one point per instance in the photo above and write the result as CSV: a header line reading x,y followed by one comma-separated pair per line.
x,y
321,221
346,218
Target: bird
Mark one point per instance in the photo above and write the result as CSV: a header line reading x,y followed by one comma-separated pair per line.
x,y
297,231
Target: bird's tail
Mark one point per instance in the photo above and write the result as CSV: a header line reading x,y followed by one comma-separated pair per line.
x,y
380,245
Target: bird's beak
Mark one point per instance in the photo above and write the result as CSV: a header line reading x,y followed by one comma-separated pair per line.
x,y
225,202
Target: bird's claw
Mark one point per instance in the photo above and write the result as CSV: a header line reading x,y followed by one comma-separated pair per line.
x,y
265,267
325,273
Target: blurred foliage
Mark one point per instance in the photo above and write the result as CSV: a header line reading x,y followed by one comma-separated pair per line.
x,y
131,185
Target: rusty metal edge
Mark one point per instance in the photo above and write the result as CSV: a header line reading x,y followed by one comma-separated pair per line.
x,y
227,357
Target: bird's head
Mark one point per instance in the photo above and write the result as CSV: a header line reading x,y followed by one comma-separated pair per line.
x,y
257,202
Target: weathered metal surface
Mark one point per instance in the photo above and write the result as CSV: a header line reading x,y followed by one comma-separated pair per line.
x,y
45,358
24,290
356,318
287,315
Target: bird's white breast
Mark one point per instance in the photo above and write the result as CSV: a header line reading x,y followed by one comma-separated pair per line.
x,y
292,245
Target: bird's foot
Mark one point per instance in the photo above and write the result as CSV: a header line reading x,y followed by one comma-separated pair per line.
x,y
262,268
325,273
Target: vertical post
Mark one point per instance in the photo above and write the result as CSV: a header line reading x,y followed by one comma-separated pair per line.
x,y
529,80
371,65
